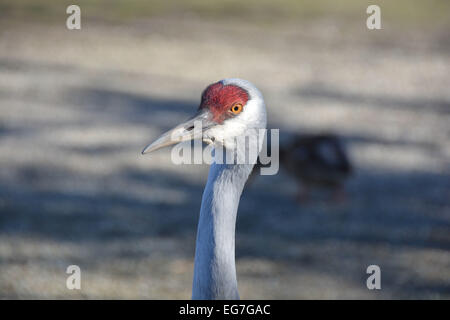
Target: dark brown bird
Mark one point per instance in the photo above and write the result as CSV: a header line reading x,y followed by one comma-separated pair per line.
x,y
316,161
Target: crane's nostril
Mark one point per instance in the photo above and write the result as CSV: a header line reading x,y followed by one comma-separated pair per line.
x,y
190,128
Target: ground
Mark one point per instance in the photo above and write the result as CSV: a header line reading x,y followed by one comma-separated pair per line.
x,y
77,107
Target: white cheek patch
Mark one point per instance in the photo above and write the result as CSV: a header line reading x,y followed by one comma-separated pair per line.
x,y
226,133
253,116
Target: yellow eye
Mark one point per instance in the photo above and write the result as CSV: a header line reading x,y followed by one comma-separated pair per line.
x,y
237,108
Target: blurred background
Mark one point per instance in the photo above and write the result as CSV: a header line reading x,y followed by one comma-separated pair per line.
x,y
77,107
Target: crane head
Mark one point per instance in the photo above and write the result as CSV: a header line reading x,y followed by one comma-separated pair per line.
x,y
228,108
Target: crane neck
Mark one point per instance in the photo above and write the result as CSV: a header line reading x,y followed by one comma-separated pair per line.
x,y
214,265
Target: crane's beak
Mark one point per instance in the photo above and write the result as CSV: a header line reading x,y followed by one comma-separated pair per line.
x,y
188,130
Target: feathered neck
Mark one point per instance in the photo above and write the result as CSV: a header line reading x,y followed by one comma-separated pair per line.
x,y
214,266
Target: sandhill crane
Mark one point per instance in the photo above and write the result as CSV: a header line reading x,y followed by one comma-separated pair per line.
x,y
228,109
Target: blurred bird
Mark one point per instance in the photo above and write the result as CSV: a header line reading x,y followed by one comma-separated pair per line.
x,y
228,109
316,161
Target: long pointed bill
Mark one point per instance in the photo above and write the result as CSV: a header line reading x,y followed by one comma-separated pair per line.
x,y
188,130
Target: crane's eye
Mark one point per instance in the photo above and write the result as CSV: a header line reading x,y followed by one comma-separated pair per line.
x,y
236,108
